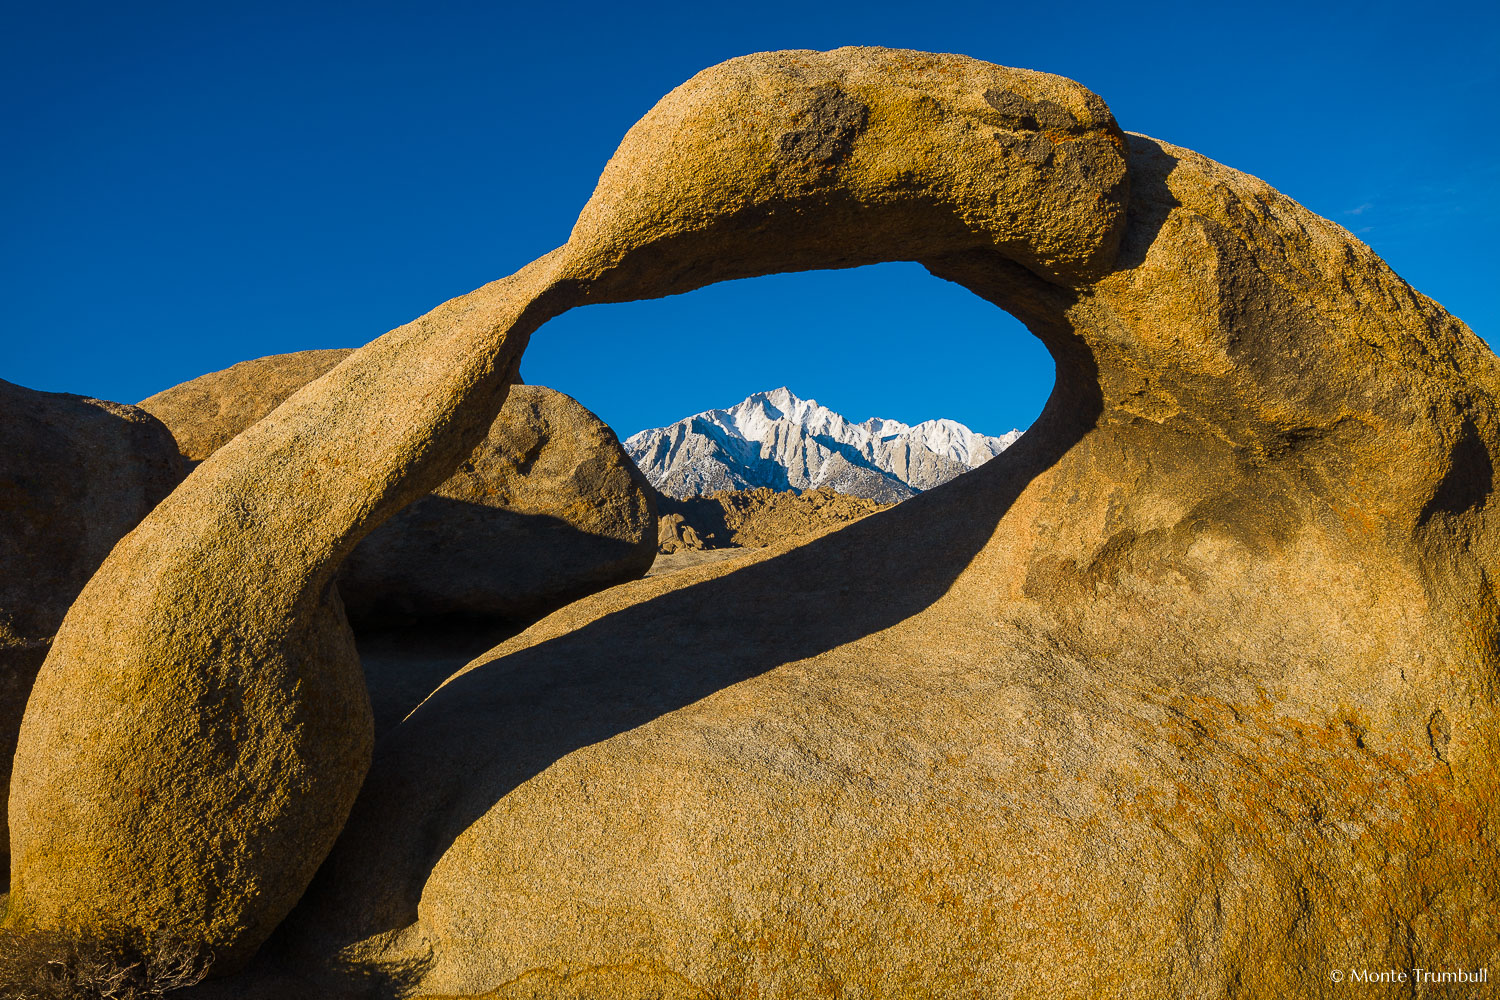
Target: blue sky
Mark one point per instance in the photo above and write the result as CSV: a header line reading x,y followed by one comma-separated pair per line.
x,y
190,185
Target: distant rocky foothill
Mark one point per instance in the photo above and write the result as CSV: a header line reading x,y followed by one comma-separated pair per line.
x,y
754,518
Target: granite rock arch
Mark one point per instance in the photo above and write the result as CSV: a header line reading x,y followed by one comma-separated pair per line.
x,y
1231,371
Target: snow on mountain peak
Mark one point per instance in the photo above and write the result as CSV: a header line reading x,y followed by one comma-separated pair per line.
x,y
780,440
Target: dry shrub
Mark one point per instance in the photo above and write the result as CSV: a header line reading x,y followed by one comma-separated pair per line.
x,y
38,965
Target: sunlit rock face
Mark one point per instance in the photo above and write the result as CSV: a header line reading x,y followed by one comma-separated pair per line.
x,y
1187,693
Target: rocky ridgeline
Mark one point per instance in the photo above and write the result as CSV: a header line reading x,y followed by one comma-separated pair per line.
x,y
777,441
754,518
1189,693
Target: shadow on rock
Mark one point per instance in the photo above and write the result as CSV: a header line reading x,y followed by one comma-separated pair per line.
x,y
501,722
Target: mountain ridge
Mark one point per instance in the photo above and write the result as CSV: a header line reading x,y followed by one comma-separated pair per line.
x,y
778,440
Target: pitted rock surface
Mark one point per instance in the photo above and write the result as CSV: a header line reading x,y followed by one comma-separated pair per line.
x,y
1148,705
206,412
76,474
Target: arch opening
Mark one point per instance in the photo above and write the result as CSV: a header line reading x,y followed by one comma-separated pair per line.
x,y
883,347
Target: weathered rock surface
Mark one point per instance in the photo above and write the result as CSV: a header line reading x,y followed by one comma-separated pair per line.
x,y
206,412
76,474
546,509
755,518
200,729
674,534
1188,693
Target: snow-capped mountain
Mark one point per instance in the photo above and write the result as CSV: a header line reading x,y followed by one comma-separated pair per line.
x,y
778,440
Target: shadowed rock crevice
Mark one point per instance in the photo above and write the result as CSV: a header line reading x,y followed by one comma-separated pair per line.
x,y
1470,479
481,563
